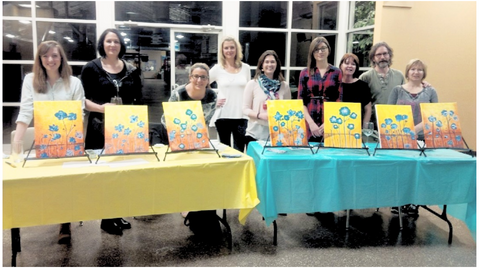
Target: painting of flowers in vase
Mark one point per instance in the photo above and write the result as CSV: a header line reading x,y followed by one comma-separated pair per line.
x,y
58,129
396,127
185,125
126,129
342,125
286,123
441,125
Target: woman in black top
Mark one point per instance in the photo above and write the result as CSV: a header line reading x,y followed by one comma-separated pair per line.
x,y
354,89
102,79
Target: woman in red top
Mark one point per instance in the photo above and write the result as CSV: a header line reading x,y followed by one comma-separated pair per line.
x,y
318,83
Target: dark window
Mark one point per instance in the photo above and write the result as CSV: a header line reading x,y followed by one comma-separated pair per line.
x,y
263,14
78,40
17,40
193,12
84,10
254,43
315,15
17,8
13,75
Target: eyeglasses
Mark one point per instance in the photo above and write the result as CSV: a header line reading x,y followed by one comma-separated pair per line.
x,y
196,77
382,54
321,49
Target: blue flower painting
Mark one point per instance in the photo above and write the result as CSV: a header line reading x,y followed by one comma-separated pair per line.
x,y
186,127
58,129
286,122
342,125
395,126
441,125
126,129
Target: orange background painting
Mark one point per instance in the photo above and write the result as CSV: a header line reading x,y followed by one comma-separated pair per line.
x,y
286,123
396,127
185,125
126,129
441,125
342,125
58,129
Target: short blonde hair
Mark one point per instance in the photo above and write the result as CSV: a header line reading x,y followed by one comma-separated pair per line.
x,y
416,62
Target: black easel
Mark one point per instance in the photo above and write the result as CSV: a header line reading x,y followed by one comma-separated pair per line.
x,y
189,150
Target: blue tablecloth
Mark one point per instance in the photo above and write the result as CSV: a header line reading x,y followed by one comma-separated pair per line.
x,y
298,181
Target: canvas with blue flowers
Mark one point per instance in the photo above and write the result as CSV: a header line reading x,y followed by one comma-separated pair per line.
x,y
126,129
286,123
185,124
342,125
396,127
441,125
58,129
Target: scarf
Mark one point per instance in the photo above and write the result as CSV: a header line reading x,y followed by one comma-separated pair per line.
x,y
269,86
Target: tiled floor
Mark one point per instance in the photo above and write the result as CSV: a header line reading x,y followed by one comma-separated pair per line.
x,y
305,241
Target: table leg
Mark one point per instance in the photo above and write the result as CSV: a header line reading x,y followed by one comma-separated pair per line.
x,y
223,220
348,219
275,232
444,217
16,247
400,217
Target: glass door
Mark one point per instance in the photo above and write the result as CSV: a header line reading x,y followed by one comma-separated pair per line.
x,y
188,47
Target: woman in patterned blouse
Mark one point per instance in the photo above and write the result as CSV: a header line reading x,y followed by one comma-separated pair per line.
x,y
319,82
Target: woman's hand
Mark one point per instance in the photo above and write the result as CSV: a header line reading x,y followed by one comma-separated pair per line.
x,y
425,84
221,102
263,116
317,131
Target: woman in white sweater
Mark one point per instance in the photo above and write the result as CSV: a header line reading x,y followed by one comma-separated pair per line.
x,y
231,76
268,84
51,80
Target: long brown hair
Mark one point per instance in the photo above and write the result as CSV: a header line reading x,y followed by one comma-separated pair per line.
x,y
39,72
278,70
311,62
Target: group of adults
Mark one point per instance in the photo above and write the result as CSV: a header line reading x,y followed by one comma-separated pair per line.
x,y
240,103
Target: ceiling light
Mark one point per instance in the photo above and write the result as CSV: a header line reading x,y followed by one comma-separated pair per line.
x,y
51,32
10,36
67,38
355,42
25,22
126,39
123,34
27,6
180,36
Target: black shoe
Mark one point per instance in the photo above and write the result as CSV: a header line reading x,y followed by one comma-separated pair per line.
x,y
411,209
282,214
122,223
394,210
65,235
111,227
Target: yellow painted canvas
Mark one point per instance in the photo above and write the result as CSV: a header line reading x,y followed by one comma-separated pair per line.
x,y
441,125
126,129
185,125
286,123
342,125
396,127
58,129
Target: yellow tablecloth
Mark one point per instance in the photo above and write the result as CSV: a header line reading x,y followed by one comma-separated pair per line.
x,y
45,192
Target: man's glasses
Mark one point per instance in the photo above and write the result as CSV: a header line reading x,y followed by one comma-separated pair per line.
x,y
321,49
382,54
196,77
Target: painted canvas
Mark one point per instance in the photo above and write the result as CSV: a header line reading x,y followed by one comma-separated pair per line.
x,y
342,125
286,123
185,125
58,129
441,125
396,127
126,129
